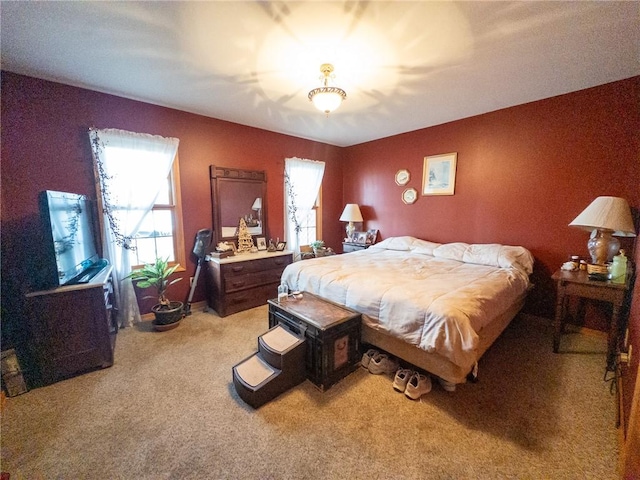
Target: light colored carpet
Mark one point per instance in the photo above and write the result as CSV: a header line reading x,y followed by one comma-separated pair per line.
x,y
168,409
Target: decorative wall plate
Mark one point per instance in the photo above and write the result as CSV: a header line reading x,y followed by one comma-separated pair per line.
x,y
402,177
409,196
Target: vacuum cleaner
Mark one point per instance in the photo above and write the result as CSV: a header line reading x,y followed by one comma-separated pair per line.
x,y
200,248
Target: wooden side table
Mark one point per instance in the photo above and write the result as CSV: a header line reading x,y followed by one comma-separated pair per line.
x,y
580,285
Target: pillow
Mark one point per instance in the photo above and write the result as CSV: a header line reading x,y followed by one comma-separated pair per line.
x,y
451,251
483,254
516,257
490,254
424,247
395,243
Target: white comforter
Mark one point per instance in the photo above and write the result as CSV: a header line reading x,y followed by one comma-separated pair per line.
x,y
430,295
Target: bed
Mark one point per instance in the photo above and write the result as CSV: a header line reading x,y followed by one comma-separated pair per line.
x,y
436,306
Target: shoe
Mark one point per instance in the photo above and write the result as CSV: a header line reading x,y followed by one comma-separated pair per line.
x,y
383,363
446,385
401,379
368,355
418,385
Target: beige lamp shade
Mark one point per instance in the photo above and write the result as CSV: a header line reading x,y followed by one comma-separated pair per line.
x,y
607,213
351,213
257,204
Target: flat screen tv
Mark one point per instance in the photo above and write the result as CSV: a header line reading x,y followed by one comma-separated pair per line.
x,y
70,248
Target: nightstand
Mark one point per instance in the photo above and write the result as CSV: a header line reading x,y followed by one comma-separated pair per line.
x,y
580,285
348,247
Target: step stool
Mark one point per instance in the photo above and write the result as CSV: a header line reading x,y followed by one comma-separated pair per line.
x,y
277,366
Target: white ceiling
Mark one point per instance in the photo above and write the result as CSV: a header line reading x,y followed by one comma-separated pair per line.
x,y
404,65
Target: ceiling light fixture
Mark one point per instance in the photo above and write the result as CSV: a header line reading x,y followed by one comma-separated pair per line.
x,y
326,98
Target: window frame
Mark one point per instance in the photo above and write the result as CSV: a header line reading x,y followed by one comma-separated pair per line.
x,y
176,208
317,209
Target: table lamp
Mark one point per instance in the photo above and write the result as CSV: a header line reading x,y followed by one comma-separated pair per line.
x,y
257,206
605,217
351,213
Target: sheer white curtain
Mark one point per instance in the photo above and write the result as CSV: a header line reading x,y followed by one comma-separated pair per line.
x,y
302,180
132,169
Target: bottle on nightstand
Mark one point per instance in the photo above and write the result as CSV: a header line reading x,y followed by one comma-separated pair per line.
x,y
618,269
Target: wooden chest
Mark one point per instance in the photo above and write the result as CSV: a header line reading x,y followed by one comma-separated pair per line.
x,y
332,332
244,281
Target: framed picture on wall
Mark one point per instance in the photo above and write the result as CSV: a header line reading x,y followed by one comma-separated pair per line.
x,y
409,196
402,177
439,175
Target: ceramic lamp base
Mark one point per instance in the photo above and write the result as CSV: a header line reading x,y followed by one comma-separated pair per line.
x,y
351,228
602,247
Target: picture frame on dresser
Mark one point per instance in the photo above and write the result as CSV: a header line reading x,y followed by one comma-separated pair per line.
x,y
360,237
372,236
280,246
261,243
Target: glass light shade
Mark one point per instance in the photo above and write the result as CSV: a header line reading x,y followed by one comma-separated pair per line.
x,y
327,99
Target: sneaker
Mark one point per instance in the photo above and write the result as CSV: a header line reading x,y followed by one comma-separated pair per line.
x,y
446,385
401,379
418,385
383,363
368,355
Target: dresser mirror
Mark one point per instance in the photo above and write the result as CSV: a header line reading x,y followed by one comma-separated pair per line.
x,y
237,194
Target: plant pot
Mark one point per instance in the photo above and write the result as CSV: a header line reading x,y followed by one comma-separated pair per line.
x,y
167,318
164,328
320,251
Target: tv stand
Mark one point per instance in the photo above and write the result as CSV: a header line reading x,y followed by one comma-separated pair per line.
x,y
87,275
72,328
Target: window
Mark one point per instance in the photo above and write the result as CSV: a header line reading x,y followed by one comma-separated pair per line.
x,y
302,181
310,225
160,233
139,181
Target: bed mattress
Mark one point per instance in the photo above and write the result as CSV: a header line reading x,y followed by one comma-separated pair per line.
x,y
432,296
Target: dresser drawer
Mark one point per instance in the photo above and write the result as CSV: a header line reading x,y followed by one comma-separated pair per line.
x,y
234,282
240,268
245,299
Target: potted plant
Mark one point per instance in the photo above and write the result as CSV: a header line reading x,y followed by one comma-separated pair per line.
x,y
168,314
318,248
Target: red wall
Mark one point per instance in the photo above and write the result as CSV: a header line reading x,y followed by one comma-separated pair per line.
x,y
45,146
523,174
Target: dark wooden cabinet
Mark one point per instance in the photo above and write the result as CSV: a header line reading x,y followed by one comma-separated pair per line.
x,y
332,332
244,281
72,329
